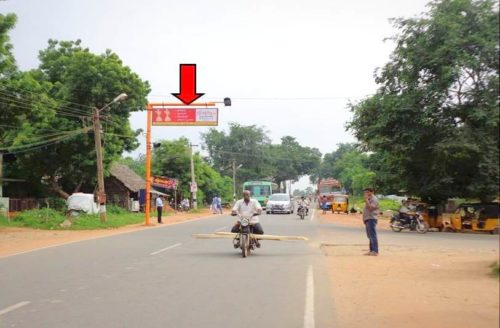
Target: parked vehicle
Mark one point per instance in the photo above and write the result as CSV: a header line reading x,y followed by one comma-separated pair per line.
x,y
245,239
329,188
280,203
340,204
414,221
474,217
81,203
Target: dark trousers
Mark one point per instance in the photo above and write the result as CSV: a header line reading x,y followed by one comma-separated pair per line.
x,y
257,229
371,233
159,209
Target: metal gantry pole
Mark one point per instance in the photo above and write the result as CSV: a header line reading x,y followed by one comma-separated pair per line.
x,y
193,179
147,207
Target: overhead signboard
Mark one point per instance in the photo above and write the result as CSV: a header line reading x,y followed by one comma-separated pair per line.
x,y
164,182
185,116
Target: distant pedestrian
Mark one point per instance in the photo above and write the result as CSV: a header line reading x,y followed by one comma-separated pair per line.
x,y
219,204
324,204
159,207
214,205
370,219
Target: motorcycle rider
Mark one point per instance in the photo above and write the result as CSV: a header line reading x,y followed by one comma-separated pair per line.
x,y
304,203
247,207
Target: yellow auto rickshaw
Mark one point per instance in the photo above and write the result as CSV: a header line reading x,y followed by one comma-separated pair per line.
x,y
340,204
474,217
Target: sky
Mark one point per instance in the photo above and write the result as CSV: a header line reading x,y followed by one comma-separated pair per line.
x,y
289,65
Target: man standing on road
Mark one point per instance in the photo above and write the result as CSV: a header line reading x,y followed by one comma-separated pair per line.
x,y
159,207
370,220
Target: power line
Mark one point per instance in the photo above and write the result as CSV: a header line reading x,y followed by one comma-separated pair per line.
x,y
57,107
27,105
38,94
38,143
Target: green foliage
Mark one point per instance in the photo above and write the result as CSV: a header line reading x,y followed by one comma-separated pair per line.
x,y
51,219
172,159
433,122
7,62
55,102
495,269
57,203
350,166
385,204
138,165
38,219
250,147
291,160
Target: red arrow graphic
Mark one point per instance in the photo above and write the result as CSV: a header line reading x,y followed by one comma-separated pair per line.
x,y
187,84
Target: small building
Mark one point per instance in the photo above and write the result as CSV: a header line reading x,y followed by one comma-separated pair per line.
x,y
123,187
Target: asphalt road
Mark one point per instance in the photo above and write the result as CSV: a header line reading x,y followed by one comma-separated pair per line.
x,y
164,278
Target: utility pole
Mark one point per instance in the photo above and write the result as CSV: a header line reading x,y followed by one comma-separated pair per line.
x,y
194,187
101,194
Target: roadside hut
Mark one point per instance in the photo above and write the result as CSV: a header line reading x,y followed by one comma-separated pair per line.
x,y
123,187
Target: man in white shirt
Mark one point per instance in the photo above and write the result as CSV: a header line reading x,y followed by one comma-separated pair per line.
x,y
247,207
159,207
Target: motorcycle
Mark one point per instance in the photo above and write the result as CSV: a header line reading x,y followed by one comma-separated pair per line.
x,y
245,239
400,221
302,212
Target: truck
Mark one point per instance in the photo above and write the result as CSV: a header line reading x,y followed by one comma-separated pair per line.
x,y
329,187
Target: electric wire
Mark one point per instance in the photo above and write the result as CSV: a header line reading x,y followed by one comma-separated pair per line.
x,y
38,94
38,143
28,105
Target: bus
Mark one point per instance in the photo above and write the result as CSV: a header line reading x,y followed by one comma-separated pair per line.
x,y
261,190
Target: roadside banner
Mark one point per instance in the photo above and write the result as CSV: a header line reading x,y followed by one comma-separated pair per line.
x,y
164,182
185,116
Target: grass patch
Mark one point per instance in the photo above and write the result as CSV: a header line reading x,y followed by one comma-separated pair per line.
x,y
385,204
49,219
38,219
495,269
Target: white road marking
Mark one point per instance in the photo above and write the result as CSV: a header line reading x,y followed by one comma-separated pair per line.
x,y
14,307
165,249
313,214
309,305
220,229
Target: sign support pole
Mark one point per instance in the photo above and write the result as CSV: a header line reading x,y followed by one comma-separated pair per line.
x,y
150,108
147,210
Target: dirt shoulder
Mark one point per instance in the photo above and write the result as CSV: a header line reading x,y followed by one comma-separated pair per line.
x,y
18,240
412,286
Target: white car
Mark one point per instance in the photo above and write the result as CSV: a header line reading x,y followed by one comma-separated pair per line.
x,y
280,203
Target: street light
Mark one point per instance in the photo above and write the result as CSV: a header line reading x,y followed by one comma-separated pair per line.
x,y
120,97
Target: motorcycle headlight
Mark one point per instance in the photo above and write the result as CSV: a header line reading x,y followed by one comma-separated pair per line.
x,y
244,222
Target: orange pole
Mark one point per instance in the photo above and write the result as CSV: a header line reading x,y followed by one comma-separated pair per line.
x,y
147,210
148,167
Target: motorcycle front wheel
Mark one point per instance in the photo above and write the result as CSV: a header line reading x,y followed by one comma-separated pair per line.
x,y
421,227
244,245
396,228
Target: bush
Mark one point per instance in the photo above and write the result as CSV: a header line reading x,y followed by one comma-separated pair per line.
x,y
495,269
57,203
115,209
